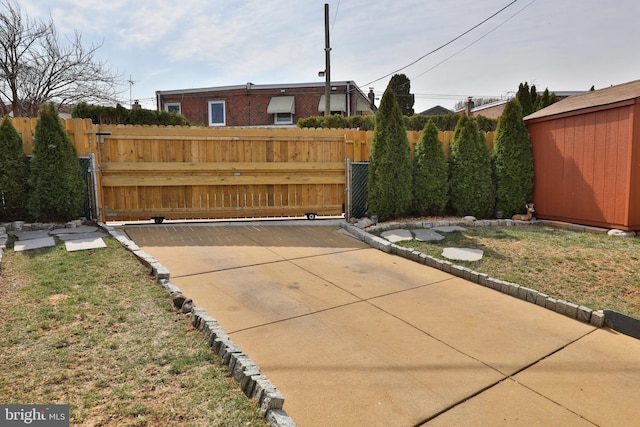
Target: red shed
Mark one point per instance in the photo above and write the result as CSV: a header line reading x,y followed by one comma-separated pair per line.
x,y
586,151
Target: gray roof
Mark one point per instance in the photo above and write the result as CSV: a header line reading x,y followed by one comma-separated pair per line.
x,y
597,98
258,86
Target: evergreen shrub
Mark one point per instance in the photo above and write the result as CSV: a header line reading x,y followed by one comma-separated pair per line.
x,y
390,168
513,161
430,180
14,174
56,177
470,174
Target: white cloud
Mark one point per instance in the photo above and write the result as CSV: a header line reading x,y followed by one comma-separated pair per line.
x,y
169,45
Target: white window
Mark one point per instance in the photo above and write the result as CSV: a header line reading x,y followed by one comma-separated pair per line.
x,y
217,114
172,107
283,118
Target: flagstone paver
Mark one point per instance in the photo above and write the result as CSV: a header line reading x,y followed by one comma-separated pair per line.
x,y
463,254
26,245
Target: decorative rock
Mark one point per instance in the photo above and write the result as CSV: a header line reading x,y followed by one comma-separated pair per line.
x,y
621,233
469,218
597,318
187,306
397,235
160,271
271,399
584,314
541,299
463,254
364,223
278,417
178,300
551,304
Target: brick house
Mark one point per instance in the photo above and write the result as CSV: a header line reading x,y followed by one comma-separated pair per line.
x,y
264,105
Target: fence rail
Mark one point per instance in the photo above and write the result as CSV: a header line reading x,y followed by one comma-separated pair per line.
x,y
198,172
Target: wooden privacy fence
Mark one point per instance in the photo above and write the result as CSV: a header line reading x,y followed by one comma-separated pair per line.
x,y
144,172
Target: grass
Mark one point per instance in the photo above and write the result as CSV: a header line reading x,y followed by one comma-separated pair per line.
x,y
91,329
594,270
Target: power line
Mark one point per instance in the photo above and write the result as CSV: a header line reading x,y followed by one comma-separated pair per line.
x,y
442,46
335,16
476,41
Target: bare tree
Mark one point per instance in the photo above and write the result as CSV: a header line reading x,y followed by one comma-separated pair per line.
x,y
37,68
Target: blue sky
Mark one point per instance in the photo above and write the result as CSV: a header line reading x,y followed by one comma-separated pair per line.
x,y
565,45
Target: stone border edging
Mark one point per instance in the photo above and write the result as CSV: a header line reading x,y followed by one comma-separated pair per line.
x,y
581,313
244,371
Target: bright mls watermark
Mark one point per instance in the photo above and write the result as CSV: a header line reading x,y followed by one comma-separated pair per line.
x,y
34,415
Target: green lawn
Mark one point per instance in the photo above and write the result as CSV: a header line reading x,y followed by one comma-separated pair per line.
x,y
93,330
594,270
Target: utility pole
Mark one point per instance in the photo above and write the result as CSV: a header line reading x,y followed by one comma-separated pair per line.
x,y
327,70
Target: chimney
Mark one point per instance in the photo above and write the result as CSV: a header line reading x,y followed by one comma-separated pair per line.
x,y
372,98
470,105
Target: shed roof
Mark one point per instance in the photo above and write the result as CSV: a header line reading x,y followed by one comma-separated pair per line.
x,y
596,98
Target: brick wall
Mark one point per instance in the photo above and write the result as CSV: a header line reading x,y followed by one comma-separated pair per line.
x,y
248,107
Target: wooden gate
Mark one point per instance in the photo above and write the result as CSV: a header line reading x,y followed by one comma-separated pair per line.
x,y
212,173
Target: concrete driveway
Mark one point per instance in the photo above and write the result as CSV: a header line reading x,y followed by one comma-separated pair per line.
x,y
356,337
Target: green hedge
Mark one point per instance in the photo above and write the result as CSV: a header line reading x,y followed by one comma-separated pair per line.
x,y
119,115
416,122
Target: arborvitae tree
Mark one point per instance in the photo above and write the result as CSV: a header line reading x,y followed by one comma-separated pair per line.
x,y
429,173
56,177
14,174
531,101
513,161
401,86
470,176
390,174
524,98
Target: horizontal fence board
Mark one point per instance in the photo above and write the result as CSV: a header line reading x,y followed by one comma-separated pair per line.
x,y
222,213
281,167
182,180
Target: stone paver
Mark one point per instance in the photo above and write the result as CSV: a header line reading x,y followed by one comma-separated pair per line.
x,y
31,235
85,244
463,254
427,235
81,236
449,228
30,244
74,230
397,235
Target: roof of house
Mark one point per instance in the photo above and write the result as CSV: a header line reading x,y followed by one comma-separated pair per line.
x,y
251,86
597,98
437,110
